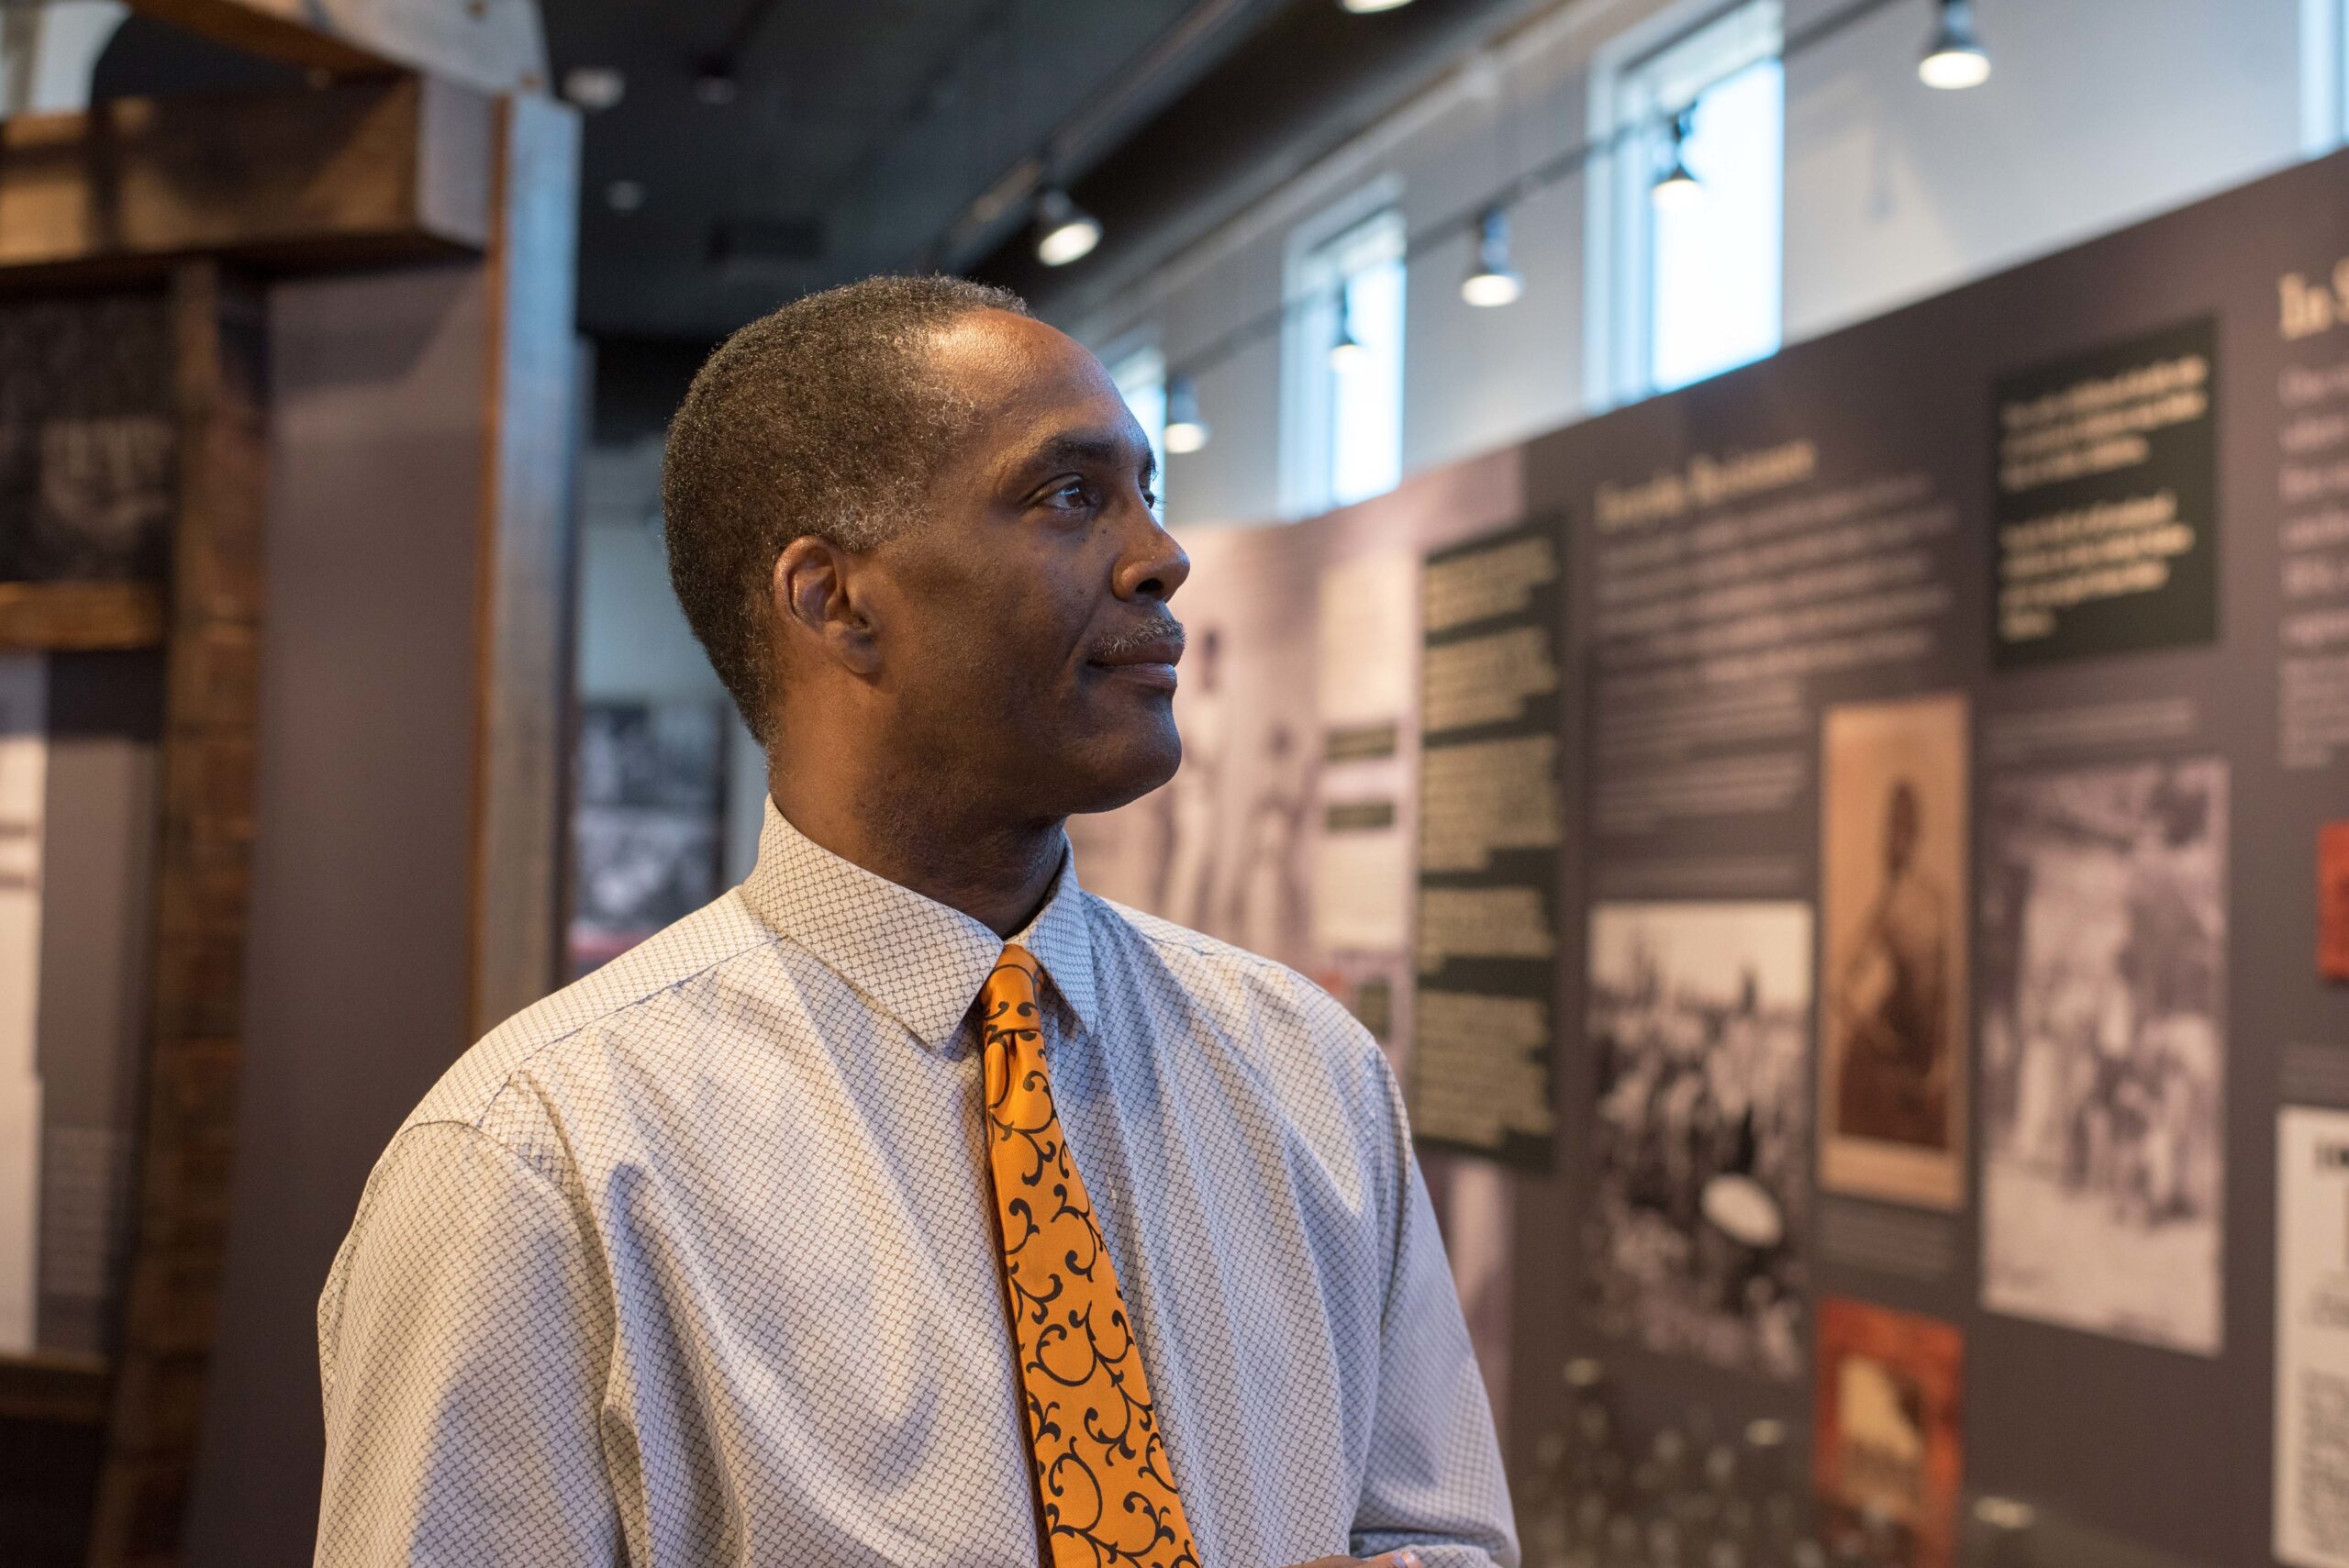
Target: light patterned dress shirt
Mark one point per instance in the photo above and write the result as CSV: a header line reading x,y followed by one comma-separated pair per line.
x,y
692,1263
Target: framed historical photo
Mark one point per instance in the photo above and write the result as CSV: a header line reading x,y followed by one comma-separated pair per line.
x,y
1892,987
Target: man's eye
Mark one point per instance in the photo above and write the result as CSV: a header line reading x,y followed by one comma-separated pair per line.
x,y
1075,492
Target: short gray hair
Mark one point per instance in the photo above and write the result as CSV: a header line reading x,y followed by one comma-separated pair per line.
x,y
822,419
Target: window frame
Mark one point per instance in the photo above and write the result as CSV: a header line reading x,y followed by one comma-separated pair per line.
x,y
1120,359
1309,455
1636,79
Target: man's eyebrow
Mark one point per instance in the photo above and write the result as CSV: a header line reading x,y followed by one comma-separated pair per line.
x,y
1075,446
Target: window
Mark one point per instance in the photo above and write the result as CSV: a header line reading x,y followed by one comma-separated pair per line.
x,y
1343,360
1141,375
2324,75
1689,289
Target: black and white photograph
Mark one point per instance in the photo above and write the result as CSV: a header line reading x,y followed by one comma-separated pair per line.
x,y
1700,1023
2104,1049
647,827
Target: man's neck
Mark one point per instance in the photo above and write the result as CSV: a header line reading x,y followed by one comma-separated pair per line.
x,y
997,874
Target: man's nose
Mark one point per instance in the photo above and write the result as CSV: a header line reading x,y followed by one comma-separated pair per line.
x,y
1153,567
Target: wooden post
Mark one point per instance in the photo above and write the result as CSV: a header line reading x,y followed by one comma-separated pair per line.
x,y
525,549
202,884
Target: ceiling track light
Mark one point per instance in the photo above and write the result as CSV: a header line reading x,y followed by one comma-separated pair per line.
x,y
1955,58
1185,431
1366,7
1346,351
1491,280
1678,187
1065,232
714,84
594,87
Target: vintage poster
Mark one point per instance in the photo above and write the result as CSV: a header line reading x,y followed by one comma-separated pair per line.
x,y
1893,986
2104,1049
647,829
2332,901
2313,1338
1700,1023
24,782
1887,1449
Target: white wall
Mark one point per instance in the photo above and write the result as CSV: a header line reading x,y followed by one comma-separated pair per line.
x,y
2099,112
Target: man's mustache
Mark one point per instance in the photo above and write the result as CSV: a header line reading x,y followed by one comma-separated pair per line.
x,y
1160,630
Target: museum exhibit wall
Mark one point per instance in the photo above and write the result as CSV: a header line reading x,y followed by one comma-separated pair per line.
x,y
1851,863
2100,113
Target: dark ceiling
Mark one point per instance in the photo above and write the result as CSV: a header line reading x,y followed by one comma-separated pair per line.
x,y
863,136
867,136
858,131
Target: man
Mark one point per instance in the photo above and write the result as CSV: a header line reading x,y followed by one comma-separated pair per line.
x,y
1893,1001
830,1228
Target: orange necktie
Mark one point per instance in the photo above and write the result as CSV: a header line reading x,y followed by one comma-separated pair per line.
x,y
1101,1473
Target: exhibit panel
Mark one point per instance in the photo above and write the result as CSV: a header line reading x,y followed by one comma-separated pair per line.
x,y
1928,861
2006,633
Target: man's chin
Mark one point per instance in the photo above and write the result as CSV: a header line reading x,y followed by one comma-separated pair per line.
x,y
1122,773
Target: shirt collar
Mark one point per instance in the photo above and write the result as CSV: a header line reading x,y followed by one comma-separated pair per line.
x,y
914,958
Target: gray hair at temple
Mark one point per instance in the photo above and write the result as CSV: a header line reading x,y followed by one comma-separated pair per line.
x,y
823,418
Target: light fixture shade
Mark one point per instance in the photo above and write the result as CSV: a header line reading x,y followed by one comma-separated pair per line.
x,y
1347,351
1185,431
1678,188
1491,280
594,87
1955,58
714,84
1365,8
1064,231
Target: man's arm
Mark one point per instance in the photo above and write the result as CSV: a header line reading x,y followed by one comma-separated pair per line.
x,y
464,1339
1433,1479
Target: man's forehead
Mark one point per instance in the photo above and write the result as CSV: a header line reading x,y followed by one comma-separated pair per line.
x,y
1033,386
1015,357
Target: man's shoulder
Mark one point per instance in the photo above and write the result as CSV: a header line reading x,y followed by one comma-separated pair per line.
x,y
611,1002
1195,950
1225,978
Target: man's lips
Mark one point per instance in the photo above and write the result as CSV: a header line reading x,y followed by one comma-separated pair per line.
x,y
1149,660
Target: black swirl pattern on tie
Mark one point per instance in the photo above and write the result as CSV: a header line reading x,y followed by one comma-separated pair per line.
x,y
1107,1494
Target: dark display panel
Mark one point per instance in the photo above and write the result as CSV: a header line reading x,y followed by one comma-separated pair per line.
x,y
2004,642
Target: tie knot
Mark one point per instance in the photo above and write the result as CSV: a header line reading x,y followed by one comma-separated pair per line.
x,y
1007,1001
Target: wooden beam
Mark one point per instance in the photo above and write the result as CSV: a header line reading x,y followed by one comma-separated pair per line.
x,y
60,1390
521,697
80,618
272,34
494,45
202,877
357,172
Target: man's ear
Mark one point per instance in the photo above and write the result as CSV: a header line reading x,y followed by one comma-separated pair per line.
x,y
815,603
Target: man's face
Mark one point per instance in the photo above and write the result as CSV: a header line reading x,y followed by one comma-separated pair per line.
x,y
1027,649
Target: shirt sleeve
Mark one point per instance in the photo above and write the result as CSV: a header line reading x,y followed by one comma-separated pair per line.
x,y
1433,1481
463,1339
